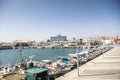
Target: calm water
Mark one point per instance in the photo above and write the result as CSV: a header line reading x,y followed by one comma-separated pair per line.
x,y
13,56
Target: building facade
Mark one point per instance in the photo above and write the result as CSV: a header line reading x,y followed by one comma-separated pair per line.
x,y
58,38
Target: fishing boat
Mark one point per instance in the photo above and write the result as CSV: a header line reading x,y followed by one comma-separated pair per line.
x,y
65,60
46,63
91,55
73,59
83,56
96,51
59,67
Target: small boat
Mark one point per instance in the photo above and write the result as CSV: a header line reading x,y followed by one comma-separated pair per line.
x,y
82,57
6,70
96,51
46,63
60,67
91,55
63,61
73,59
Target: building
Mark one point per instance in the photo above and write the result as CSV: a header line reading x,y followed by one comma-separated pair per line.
x,y
58,38
117,40
18,43
4,46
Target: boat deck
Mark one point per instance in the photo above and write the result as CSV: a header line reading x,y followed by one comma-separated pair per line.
x,y
14,77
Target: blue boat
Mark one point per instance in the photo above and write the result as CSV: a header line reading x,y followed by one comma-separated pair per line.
x,y
63,61
63,58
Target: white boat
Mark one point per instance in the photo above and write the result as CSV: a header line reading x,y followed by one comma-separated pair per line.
x,y
6,70
73,58
46,63
84,56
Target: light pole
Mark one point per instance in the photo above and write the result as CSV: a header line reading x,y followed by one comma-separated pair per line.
x,y
77,62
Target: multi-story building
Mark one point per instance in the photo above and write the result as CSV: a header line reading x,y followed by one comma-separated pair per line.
x,y
58,38
5,46
19,43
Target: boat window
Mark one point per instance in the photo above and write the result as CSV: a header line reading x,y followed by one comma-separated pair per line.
x,y
74,57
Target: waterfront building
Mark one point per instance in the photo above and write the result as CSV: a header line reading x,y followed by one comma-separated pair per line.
x,y
5,46
91,42
117,40
72,44
58,38
16,44
107,41
57,44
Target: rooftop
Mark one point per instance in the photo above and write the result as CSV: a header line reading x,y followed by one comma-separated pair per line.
x,y
36,70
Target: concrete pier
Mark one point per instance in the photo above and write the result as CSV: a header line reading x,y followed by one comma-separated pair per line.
x,y
104,67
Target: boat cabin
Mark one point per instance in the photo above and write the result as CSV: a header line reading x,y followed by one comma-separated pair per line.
x,y
37,74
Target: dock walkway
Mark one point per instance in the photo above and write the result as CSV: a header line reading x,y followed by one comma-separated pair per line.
x,y
104,67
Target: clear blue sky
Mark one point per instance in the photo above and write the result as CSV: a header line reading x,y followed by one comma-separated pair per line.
x,y
40,19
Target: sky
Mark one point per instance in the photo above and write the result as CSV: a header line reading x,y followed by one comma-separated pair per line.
x,y
40,19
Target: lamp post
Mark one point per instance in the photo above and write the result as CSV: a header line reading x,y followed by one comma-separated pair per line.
x,y
77,62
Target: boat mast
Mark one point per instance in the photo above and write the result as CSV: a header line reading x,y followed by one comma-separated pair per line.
x,y
21,59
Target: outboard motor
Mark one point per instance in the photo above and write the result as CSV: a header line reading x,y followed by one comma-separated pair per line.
x,y
31,65
23,66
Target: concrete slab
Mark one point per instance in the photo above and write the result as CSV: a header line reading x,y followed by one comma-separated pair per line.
x,y
104,67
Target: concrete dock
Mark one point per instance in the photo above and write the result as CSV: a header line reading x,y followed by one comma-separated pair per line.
x,y
104,67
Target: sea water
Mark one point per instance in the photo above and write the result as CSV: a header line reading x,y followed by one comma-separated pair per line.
x,y
13,56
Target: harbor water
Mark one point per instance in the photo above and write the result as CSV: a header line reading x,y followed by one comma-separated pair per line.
x,y
13,56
